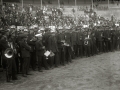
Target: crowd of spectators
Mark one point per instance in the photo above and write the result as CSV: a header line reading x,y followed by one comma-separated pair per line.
x,y
13,14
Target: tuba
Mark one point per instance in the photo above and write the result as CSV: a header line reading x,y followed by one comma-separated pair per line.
x,y
8,53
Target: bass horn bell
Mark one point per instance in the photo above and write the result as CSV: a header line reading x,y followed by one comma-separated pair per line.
x,y
8,53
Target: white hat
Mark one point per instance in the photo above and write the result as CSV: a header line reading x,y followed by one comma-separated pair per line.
x,y
42,28
53,28
39,35
13,26
60,27
25,29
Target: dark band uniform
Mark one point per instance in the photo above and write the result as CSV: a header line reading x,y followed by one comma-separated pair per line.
x,y
25,52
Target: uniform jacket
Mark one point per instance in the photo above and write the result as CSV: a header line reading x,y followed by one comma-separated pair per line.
x,y
79,38
52,44
99,35
3,44
59,38
68,38
25,49
93,39
107,35
74,38
88,41
45,40
39,50
32,45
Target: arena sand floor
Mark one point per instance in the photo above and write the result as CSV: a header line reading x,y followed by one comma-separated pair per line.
x,y
100,72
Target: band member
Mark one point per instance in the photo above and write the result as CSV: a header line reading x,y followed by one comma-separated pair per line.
x,y
106,35
60,43
40,50
80,44
19,55
1,51
99,38
8,56
68,46
53,48
12,44
25,52
118,40
33,59
74,43
93,44
87,44
46,37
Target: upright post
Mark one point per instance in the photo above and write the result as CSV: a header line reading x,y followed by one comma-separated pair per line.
x,y
41,4
59,3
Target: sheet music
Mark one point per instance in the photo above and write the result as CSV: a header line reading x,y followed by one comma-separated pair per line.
x,y
47,53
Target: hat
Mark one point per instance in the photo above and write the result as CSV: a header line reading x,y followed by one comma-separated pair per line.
x,y
25,30
23,36
13,26
3,31
47,29
41,28
60,27
39,35
19,28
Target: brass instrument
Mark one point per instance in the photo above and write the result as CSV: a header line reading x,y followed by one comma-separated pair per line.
x,y
8,53
85,42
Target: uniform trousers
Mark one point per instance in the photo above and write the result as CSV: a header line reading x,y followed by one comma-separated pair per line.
x,y
118,44
75,50
61,56
19,63
33,60
100,46
56,59
80,50
51,61
42,62
0,59
26,65
11,71
87,50
92,49
106,46
68,53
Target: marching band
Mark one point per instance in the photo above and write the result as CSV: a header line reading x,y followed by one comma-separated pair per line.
x,y
45,41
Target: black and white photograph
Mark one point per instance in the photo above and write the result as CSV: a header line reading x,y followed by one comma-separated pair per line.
x,y
59,44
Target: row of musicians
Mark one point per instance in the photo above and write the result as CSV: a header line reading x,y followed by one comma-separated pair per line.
x,y
64,44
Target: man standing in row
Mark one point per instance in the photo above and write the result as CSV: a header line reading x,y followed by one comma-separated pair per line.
x,y
25,52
